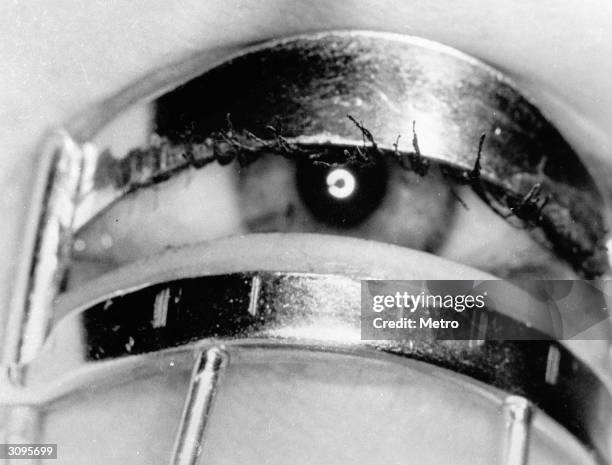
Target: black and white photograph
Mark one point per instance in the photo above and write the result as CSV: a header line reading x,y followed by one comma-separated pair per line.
x,y
306,232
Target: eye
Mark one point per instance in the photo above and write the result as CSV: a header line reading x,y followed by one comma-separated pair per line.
x,y
338,194
294,143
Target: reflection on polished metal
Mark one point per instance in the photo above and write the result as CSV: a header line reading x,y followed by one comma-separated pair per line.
x,y
121,331
305,87
46,247
255,295
517,413
316,312
385,80
198,405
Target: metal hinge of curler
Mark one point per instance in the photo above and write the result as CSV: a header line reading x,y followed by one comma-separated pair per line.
x,y
46,246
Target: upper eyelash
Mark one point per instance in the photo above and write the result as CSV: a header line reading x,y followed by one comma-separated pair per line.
x,y
579,243
572,222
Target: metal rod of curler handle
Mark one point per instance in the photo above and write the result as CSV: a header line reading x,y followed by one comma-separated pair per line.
x,y
517,413
198,405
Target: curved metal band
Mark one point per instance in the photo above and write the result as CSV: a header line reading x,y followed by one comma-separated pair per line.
x,y
317,311
309,84
304,88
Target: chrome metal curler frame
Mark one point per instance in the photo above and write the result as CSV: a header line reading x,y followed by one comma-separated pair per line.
x,y
190,305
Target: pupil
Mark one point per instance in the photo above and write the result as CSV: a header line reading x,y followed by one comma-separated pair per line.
x,y
341,195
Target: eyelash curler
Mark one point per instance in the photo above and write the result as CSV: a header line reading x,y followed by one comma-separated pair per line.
x,y
190,307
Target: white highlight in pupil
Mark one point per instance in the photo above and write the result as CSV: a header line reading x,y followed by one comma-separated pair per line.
x,y
341,183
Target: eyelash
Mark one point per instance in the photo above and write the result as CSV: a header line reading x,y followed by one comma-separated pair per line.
x,y
161,160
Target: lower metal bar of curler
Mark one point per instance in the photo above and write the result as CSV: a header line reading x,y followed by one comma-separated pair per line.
x,y
517,415
202,390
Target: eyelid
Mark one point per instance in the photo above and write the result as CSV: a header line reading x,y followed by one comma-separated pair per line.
x,y
304,86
